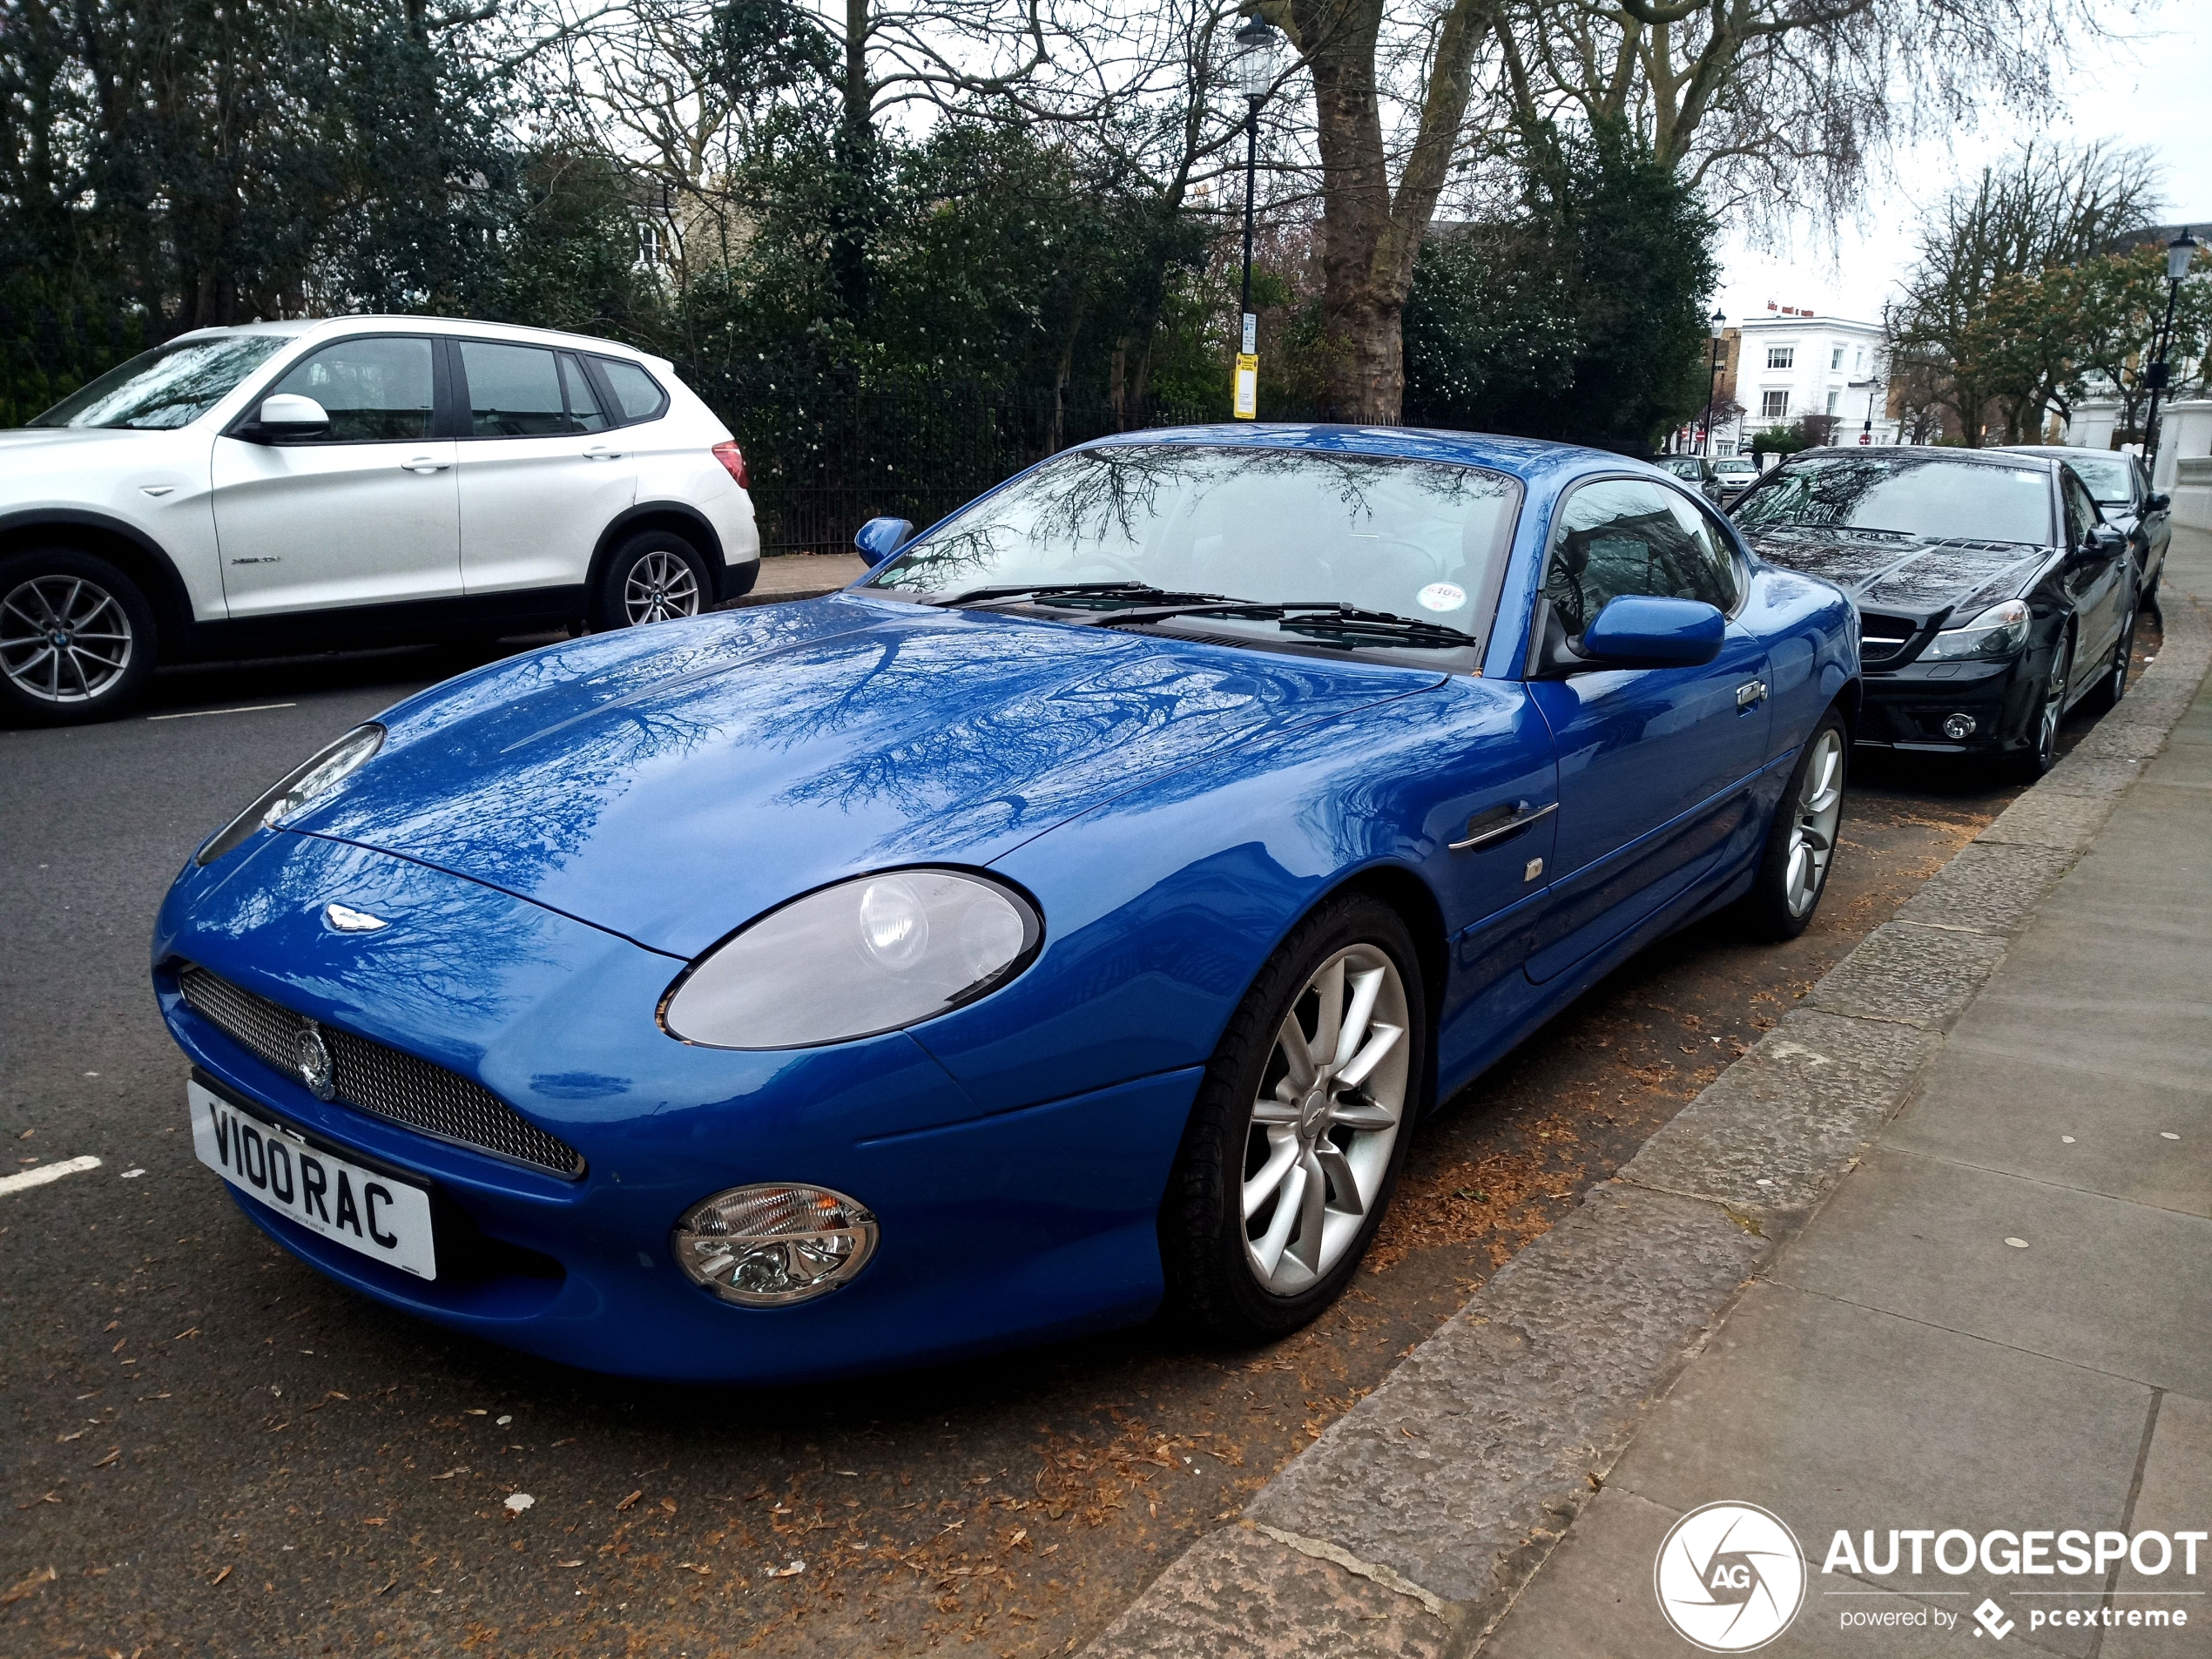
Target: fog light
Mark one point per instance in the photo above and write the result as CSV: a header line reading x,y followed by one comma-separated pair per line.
x,y
1959,725
770,1245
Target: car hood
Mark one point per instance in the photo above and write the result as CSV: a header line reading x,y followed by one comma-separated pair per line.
x,y
1887,571
671,784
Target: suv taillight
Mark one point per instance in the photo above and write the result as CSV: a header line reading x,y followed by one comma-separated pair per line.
x,y
732,459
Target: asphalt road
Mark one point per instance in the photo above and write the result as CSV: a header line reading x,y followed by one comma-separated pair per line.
x,y
216,1452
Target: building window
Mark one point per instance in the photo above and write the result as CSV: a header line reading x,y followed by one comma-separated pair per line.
x,y
1835,359
1832,396
1774,405
1858,360
648,244
1781,356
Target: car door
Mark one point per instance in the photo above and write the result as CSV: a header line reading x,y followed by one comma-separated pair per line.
x,y
2097,582
1656,764
542,473
364,513
2157,521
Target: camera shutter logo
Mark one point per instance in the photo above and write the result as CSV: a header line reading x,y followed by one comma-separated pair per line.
x,y
1730,1577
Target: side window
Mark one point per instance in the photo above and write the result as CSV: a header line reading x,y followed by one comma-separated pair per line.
x,y
1621,535
375,391
514,391
637,393
584,413
2080,511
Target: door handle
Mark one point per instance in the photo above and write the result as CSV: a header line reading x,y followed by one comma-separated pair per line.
x,y
1519,817
1750,693
424,464
600,452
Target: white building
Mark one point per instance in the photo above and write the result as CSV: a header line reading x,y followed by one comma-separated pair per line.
x,y
1792,363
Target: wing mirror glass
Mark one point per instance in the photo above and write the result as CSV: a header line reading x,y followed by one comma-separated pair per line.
x,y
880,538
2157,502
2103,541
1637,631
289,416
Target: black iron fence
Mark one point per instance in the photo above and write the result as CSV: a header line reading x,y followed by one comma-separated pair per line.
x,y
829,448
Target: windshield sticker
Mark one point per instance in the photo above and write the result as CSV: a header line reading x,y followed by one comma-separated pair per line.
x,y
1441,595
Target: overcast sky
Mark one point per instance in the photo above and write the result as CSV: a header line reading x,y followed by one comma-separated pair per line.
x,y
2153,94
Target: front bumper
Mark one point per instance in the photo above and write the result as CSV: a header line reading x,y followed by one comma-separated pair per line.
x,y
1906,708
1014,1227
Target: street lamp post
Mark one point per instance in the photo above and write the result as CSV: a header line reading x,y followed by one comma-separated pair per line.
x,y
1256,45
1713,380
2179,252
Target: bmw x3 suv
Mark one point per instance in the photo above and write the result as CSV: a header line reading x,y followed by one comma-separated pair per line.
x,y
361,481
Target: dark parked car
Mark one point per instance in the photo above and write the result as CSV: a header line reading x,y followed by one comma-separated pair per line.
x,y
1992,596
2130,505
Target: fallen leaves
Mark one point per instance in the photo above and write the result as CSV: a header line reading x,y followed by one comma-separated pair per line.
x,y
10,1596
114,1451
220,1576
628,1501
518,1502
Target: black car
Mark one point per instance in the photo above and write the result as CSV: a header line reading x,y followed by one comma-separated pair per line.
x,y
2144,515
1992,596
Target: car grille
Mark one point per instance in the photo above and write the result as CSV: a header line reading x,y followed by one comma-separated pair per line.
x,y
1883,639
403,1088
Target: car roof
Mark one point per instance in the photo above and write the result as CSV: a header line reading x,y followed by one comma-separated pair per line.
x,y
1991,457
2062,449
1521,458
375,322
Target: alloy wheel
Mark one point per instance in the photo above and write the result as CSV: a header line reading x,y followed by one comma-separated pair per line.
x,y
2122,660
661,586
2047,729
1331,1104
64,640
1812,835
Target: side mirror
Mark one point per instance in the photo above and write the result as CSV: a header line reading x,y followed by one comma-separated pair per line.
x,y
2102,543
880,537
288,415
1639,631
2157,502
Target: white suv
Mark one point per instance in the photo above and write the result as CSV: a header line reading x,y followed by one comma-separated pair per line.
x,y
302,486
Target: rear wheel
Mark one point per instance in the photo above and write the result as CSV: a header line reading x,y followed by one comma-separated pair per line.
x,y
654,576
1300,1127
1800,842
77,637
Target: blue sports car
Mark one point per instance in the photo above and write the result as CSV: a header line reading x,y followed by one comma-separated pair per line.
x,y
1073,916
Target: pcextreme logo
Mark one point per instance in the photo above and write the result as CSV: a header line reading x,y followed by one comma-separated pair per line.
x,y
1730,1577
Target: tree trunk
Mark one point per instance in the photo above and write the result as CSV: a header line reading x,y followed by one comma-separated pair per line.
x,y
1369,235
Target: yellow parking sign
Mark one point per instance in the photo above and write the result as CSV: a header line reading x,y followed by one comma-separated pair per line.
x,y
1247,385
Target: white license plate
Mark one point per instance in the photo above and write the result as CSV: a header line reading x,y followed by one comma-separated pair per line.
x,y
363,1209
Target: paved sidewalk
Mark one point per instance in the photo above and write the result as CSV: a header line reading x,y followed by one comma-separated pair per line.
x,y
2002,1319
1936,1254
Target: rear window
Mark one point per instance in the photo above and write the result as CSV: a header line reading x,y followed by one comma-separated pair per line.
x,y
1926,496
637,394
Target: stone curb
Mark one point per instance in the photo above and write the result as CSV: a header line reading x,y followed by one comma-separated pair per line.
x,y
1410,1526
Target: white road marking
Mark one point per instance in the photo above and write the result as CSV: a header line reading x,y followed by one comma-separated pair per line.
x,y
51,1172
193,714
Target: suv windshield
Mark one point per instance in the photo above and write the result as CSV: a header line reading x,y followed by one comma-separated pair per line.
x,y
170,385
1414,539
1926,496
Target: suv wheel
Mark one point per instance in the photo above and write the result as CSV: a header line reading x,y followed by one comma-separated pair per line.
x,y
655,576
77,637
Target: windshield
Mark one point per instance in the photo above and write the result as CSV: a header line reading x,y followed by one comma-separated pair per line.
x,y
2107,477
1931,496
170,385
1415,539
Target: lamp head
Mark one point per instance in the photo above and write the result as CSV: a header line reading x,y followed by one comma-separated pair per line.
x,y
1258,50
2179,252
1720,321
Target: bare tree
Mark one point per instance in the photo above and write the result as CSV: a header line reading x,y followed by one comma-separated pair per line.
x,y
1981,314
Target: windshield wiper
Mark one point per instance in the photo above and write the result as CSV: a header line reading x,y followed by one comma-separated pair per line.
x,y
1307,617
1047,591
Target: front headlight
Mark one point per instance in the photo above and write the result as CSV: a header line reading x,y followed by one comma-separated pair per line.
x,y
865,956
321,774
1999,631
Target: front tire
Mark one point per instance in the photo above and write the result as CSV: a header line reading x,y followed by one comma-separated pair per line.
x,y
1300,1128
2042,752
1800,842
654,576
77,637
2109,691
